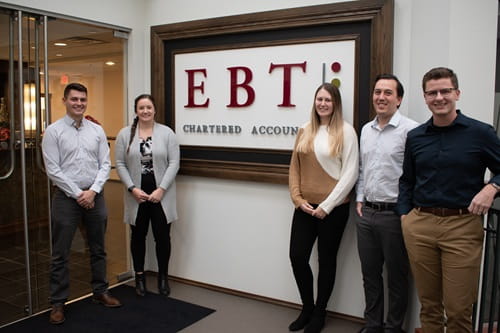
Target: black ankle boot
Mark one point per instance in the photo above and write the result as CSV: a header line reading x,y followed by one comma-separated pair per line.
x,y
301,321
140,284
163,287
316,323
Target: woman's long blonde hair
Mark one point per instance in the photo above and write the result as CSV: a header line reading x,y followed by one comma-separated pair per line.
x,y
335,125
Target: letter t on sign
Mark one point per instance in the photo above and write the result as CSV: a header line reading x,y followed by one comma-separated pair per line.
x,y
191,88
287,80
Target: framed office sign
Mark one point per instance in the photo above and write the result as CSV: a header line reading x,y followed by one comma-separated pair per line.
x,y
237,89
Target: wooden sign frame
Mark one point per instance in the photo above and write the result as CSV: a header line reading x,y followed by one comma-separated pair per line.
x,y
369,22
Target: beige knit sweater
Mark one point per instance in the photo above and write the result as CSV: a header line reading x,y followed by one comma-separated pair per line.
x,y
318,178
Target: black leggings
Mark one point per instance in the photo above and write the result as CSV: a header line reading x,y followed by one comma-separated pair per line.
x,y
153,212
329,231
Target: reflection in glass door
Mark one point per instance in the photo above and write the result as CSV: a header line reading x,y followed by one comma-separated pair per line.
x,y
24,189
38,57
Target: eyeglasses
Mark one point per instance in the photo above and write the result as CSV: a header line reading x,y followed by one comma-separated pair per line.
x,y
446,92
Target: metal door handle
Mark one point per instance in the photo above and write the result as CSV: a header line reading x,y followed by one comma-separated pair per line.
x,y
38,113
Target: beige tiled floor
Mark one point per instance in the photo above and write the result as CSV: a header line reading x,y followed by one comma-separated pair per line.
x,y
242,315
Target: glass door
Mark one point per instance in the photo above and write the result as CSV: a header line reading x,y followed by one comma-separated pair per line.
x,y
94,56
24,188
39,55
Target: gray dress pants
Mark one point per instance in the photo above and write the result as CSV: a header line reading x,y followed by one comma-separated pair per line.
x,y
380,241
67,214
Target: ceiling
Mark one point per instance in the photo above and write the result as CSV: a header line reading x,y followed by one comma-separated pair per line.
x,y
83,41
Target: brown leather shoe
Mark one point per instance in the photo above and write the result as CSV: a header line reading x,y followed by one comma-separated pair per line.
x,y
107,300
57,314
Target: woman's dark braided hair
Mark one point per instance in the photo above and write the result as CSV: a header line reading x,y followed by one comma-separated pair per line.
x,y
133,128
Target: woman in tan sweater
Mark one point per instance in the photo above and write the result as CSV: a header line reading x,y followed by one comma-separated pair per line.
x,y
323,171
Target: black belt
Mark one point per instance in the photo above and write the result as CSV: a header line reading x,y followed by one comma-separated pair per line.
x,y
380,205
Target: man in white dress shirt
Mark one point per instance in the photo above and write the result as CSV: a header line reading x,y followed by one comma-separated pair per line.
x,y
380,239
76,156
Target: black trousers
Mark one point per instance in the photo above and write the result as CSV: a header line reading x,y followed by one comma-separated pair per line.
x,y
305,230
153,212
380,242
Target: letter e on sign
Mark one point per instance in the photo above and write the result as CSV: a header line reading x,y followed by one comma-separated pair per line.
x,y
192,87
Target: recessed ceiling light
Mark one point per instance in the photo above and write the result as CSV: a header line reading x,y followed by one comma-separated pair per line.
x,y
110,63
60,44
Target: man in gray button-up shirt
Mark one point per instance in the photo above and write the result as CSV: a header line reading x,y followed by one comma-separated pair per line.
x,y
76,156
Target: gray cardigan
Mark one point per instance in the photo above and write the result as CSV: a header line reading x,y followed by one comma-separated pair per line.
x,y
166,161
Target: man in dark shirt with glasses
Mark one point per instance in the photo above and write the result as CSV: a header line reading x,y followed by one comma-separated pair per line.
x,y
442,199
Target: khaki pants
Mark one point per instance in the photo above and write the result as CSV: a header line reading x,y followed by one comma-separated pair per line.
x,y
445,259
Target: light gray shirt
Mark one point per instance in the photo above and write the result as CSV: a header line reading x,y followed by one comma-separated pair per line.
x,y
76,159
381,159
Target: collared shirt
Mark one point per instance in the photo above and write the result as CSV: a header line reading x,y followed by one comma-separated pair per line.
x,y
76,159
381,158
445,166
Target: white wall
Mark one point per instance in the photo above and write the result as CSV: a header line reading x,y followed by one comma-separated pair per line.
x,y
459,34
235,234
241,241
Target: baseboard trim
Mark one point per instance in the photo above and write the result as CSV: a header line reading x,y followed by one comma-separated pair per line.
x,y
259,298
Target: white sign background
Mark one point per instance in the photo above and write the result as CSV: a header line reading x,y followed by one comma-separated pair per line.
x,y
268,89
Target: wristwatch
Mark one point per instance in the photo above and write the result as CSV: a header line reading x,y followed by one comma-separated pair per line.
x,y
131,188
496,186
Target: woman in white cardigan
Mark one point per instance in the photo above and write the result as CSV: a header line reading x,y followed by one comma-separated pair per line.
x,y
147,161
